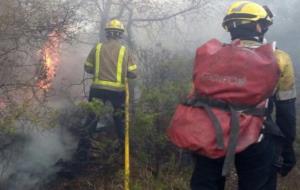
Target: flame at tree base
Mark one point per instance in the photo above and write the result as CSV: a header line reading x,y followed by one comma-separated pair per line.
x,y
50,60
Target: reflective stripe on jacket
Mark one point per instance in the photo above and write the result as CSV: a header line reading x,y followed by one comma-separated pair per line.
x,y
110,63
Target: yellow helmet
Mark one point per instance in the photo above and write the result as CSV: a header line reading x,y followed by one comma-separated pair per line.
x,y
115,24
243,12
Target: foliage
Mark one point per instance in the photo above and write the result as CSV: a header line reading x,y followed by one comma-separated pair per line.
x,y
155,162
96,106
164,82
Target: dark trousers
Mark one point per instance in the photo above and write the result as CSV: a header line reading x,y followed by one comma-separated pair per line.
x,y
117,99
255,169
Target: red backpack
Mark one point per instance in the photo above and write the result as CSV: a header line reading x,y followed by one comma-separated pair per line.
x,y
225,112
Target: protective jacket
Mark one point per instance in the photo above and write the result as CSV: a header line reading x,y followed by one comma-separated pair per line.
x,y
110,63
286,88
284,101
189,124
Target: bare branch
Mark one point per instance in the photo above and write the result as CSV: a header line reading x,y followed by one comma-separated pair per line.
x,y
166,17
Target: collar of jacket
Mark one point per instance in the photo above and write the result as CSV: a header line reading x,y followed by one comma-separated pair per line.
x,y
250,43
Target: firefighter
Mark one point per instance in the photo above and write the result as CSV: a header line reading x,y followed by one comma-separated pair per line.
x,y
257,165
111,63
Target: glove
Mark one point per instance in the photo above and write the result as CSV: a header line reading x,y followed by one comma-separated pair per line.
x,y
286,161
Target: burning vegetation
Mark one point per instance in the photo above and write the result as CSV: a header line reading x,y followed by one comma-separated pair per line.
x,y
50,60
44,157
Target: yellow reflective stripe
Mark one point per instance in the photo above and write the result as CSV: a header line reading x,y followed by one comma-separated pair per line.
x,y
109,83
132,67
286,95
120,63
118,83
97,58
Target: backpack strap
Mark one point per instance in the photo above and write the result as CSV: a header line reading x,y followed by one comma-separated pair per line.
x,y
207,104
199,101
233,140
274,46
212,117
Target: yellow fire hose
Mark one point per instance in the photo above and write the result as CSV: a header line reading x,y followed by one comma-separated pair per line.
x,y
126,143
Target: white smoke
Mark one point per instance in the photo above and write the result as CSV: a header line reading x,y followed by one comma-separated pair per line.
x,y
34,165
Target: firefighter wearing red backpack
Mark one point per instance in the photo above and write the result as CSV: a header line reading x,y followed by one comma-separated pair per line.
x,y
227,119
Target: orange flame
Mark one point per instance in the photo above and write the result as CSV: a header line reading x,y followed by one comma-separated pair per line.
x,y
51,59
